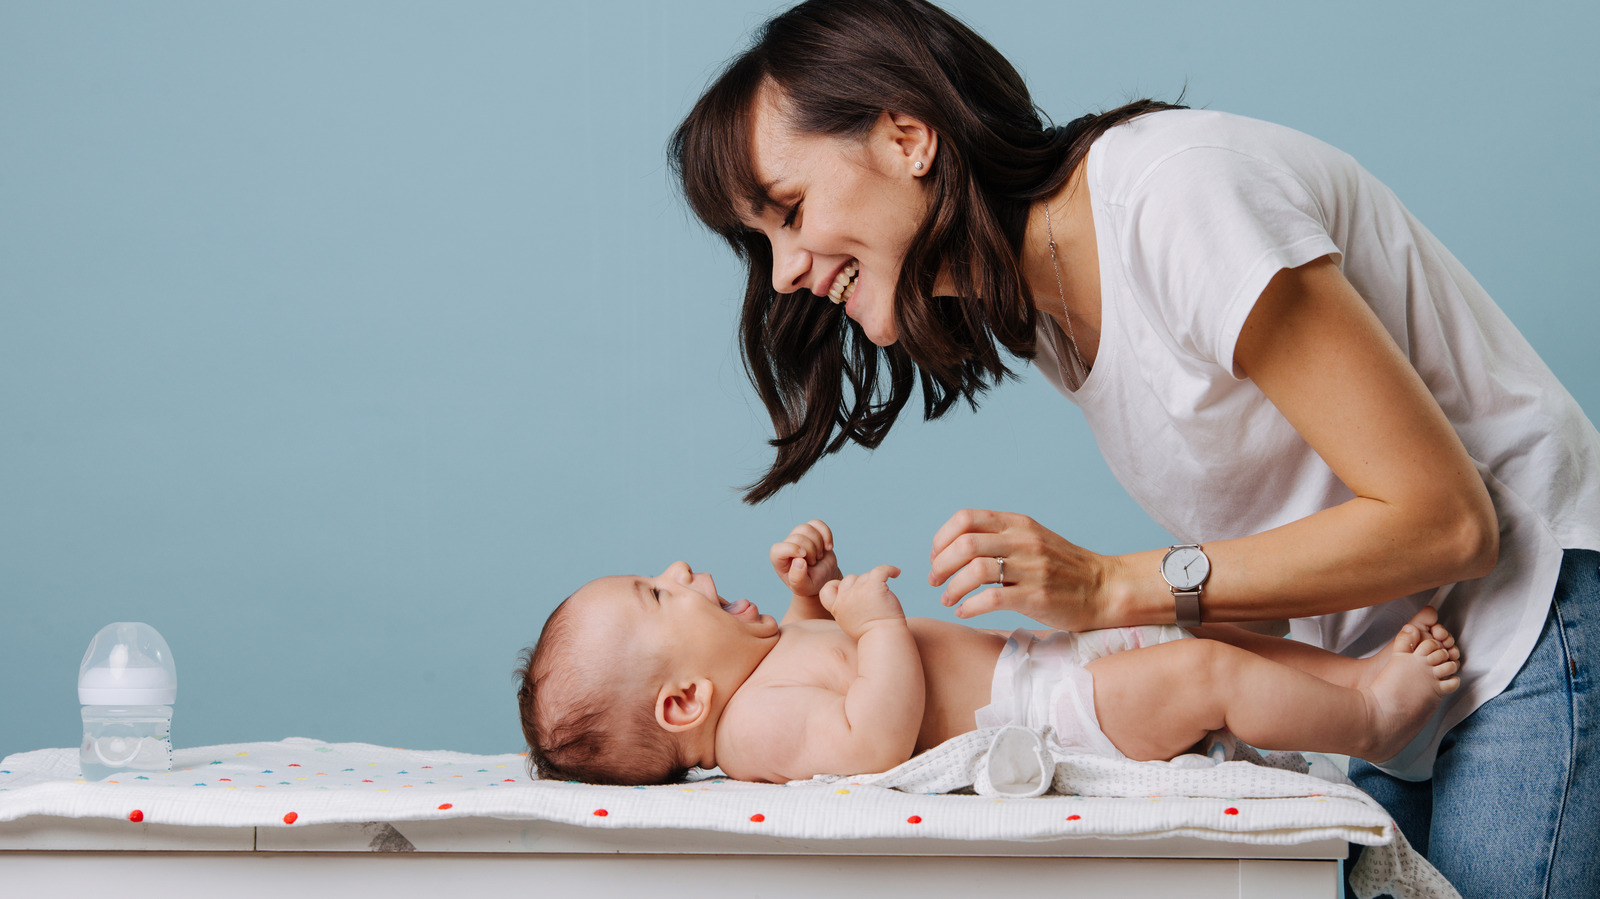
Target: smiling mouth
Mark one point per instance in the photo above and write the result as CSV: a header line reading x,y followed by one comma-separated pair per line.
x,y
845,284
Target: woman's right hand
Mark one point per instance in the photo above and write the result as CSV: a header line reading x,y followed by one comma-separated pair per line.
x,y
1046,577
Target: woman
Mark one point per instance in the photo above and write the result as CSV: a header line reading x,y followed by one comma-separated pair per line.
x,y
1280,364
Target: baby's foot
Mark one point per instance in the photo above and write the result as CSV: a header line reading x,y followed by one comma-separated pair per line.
x,y
1426,622
1419,671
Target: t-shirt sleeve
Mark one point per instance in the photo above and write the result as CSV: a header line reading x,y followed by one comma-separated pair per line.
x,y
1206,228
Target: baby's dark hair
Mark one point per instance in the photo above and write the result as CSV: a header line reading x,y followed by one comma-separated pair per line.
x,y
579,722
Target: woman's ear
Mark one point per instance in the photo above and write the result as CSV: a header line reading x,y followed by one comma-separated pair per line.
x,y
909,141
684,706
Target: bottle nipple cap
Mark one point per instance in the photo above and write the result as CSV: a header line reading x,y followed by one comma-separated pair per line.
x,y
127,663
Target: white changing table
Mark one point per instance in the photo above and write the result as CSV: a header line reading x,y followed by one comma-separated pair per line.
x,y
49,856
303,817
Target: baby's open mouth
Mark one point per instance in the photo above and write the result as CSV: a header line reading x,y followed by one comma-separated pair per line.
x,y
737,606
844,285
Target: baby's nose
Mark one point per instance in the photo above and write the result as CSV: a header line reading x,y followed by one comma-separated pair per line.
x,y
680,572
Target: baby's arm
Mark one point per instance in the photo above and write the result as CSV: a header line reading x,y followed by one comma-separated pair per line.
x,y
873,725
805,561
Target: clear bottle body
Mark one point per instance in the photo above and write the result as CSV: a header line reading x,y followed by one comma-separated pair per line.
x,y
123,739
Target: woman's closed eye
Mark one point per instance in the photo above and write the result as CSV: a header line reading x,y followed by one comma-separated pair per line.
x,y
792,217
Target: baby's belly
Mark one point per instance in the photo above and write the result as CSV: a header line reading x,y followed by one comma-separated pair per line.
x,y
958,666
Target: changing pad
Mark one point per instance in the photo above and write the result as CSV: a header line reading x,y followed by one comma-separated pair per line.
x,y
298,782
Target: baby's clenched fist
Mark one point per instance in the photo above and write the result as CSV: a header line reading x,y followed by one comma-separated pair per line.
x,y
805,559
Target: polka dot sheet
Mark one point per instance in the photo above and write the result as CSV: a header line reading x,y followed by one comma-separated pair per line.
x,y
299,782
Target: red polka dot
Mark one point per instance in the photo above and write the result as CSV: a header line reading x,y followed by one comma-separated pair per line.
x,y
914,819
758,818
1074,817
136,816
508,781
445,806
1230,811
294,764
225,779
291,818
600,813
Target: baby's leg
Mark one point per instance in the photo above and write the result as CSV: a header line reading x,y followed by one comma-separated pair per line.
x,y
1157,702
1319,662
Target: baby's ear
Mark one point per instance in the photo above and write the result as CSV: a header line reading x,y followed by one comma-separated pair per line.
x,y
684,705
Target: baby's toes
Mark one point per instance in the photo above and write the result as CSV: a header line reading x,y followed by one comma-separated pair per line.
x,y
1407,639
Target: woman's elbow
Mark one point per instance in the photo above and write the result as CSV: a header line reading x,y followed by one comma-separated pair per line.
x,y
1473,539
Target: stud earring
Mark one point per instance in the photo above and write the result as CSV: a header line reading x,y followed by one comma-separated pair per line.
x,y
917,165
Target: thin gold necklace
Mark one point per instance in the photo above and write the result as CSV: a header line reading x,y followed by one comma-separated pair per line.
x,y
1072,340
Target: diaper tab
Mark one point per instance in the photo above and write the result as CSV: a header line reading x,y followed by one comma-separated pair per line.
x,y
1017,764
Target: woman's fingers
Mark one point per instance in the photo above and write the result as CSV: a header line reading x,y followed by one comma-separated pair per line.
x,y
968,521
977,573
990,600
985,534
1002,560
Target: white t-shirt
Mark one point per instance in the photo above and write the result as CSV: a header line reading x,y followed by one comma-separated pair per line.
x,y
1194,212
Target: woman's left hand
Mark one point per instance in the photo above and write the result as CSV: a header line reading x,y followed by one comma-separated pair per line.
x,y
1047,578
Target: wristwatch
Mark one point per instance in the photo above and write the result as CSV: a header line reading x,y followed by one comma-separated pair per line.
x,y
1186,567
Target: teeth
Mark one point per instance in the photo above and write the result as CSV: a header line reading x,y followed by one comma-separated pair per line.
x,y
844,285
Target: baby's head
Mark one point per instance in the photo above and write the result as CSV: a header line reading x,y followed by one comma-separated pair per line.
x,y
630,674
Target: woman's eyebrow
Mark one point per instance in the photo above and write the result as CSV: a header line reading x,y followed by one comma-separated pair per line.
x,y
765,198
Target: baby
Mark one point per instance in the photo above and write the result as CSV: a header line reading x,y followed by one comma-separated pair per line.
x,y
636,679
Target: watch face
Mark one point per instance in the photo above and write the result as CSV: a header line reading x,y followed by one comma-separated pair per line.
x,y
1185,568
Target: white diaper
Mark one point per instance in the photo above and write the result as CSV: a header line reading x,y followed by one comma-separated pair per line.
x,y
1043,683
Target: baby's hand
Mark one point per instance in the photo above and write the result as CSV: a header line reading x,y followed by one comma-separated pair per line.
x,y
805,559
857,602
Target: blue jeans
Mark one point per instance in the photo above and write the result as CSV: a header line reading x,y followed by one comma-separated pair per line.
x,y
1513,808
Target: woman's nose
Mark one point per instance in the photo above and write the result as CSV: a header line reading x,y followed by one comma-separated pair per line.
x,y
789,265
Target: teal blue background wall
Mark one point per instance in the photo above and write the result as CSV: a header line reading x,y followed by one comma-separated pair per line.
x,y
340,341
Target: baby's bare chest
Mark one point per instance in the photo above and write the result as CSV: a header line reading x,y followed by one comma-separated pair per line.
x,y
810,655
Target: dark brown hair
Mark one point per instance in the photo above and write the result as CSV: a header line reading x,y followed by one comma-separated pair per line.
x,y
576,728
837,65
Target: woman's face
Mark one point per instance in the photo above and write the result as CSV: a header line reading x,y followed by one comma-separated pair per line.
x,y
845,211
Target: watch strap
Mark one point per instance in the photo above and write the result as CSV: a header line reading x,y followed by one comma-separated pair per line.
x,y
1188,607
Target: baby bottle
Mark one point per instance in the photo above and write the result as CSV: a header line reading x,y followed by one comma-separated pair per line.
x,y
127,684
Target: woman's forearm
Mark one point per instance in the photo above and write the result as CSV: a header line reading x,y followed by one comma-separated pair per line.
x,y
1353,555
